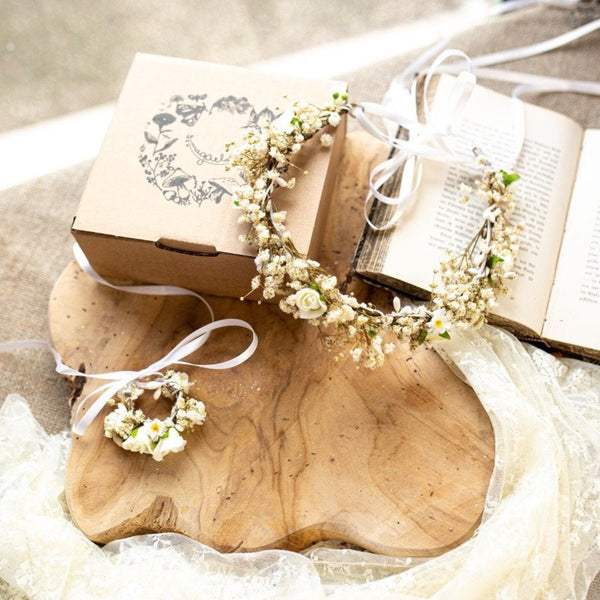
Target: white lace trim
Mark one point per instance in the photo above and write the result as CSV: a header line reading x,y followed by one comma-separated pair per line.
x,y
539,537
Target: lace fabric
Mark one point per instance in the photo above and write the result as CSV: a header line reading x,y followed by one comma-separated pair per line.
x,y
539,537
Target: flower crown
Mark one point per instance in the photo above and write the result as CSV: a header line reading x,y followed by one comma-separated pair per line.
x,y
465,286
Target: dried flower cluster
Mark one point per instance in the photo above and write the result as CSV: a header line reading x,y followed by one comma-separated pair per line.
x,y
467,284
129,427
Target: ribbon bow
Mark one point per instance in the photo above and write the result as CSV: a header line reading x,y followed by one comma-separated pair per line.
x,y
119,379
423,140
429,139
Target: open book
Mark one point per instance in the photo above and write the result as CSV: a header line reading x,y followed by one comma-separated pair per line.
x,y
556,295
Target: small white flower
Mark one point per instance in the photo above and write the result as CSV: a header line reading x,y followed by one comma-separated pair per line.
x,y
130,391
326,140
356,353
439,322
283,123
334,119
197,413
171,442
309,303
507,262
491,214
155,429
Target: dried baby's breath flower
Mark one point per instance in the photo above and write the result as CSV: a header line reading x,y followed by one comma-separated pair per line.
x,y
129,427
465,287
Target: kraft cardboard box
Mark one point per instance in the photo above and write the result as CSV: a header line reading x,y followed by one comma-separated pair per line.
x,y
157,207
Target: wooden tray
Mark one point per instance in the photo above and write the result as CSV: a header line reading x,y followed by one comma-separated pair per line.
x,y
297,447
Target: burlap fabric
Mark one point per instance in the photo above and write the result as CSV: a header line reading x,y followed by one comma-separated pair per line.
x,y
35,218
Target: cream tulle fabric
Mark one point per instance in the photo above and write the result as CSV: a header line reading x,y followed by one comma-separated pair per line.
x,y
539,537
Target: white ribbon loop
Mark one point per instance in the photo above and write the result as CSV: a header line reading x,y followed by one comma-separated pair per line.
x,y
147,290
446,116
118,379
424,140
185,347
548,45
430,139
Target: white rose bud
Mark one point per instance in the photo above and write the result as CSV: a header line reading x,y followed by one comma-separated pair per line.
x,y
334,119
283,123
139,441
173,442
507,261
309,303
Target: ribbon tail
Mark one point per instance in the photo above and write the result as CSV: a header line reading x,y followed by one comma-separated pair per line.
x,y
409,185
236,360
106,391
147,290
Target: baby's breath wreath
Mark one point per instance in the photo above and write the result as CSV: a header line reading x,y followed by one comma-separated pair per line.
x,y
129,427
465,286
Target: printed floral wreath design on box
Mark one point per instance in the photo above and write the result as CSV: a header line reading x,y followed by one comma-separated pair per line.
x,y
464,288
159,161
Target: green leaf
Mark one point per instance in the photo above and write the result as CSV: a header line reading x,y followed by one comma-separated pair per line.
x,y
445,335
494,260
134,432
336,95
508,178
372,333
314,286
422,336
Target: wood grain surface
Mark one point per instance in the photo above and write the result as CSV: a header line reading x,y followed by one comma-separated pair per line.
x,y
297,447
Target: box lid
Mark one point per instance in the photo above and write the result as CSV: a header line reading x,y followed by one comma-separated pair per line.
x,y
160,175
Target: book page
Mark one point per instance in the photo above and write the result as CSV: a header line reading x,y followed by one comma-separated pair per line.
x,y
439,220
574,311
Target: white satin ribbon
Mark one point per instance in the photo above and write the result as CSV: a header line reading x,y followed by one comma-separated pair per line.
x,y
425,140
147,290
118,379
529,82
185,347
429,140
503,56
511,5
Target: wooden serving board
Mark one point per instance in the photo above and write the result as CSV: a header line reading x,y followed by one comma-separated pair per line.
x,y
297,447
